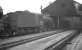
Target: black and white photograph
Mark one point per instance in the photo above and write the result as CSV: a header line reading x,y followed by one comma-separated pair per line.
x,y
40,24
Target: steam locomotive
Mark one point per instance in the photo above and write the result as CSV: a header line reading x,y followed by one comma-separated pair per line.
x,y
19,22
23,22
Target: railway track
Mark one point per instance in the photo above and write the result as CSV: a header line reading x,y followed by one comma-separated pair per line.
x,y
62,42
61,35
26,40
75,43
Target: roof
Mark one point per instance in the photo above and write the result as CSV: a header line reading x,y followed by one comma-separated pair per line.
x,y
59,6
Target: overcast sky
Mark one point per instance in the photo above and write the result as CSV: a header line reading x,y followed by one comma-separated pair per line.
x,y
31,5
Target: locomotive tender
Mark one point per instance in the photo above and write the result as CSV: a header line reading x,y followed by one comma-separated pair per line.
x,y
23,22
19,23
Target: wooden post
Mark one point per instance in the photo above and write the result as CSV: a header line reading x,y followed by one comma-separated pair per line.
x,y
58,24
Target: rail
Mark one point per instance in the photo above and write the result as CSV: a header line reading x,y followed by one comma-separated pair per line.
x,y
60,44
43,43
20,42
